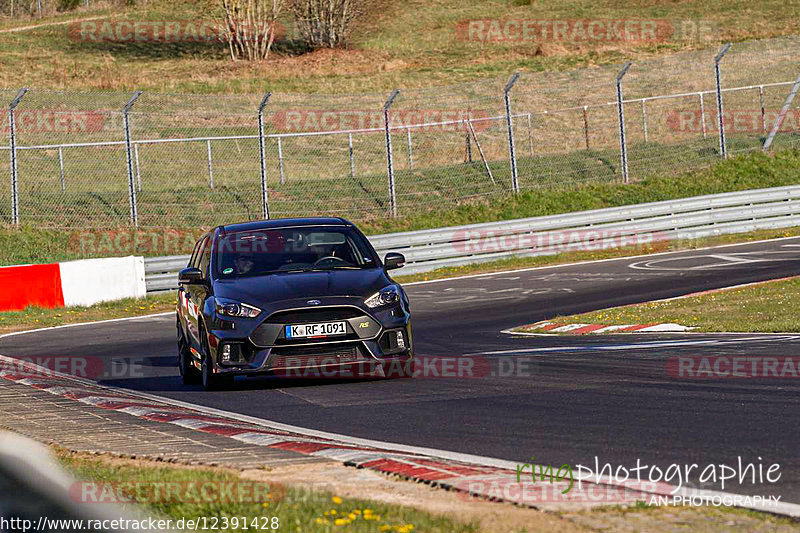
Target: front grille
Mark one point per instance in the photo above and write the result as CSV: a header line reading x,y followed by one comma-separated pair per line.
x,y
302,356
304,316
268,333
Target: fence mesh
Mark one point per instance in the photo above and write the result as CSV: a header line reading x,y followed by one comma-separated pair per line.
x,y
191,160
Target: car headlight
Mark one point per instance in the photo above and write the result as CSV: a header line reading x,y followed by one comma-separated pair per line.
x,y
387,295
236,309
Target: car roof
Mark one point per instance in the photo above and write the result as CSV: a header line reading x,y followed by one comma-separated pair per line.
x,y
284,223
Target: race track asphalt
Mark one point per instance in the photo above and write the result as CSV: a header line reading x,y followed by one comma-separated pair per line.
x,y
557,399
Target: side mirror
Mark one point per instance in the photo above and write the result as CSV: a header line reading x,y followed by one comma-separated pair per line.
x,y
393,260
190,275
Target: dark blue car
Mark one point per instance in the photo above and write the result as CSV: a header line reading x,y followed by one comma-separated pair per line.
x,y
290,297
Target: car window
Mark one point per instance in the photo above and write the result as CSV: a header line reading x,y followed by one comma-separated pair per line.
x,y
193,258
205,258
304,248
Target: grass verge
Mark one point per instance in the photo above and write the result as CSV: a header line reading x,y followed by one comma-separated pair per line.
x,y
301,509
295,509
768,307
381,55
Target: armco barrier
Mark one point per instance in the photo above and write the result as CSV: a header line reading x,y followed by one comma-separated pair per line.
x,y
687,218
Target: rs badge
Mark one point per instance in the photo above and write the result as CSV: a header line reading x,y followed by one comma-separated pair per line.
x,y
364,325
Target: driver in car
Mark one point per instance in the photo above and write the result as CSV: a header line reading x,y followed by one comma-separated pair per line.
x,y
243,264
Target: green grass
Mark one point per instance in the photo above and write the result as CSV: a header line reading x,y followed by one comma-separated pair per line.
x,y
297,510
29,244
381,56
35,317
763,308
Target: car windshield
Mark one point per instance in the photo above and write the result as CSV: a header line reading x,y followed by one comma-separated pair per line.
x,y
297,249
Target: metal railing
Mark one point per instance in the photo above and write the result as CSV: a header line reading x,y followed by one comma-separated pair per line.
x,y
641,224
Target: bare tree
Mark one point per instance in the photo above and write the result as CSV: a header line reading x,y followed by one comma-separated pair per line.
x,y
250,27
325,23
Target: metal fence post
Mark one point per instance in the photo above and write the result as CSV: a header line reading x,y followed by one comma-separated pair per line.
x,y
138,168
586,125
129,155
703,114
530,135
722,147
352,159
468,148
763,111
13,140
644,118
280,161
389,162
210,165
410,149
622,143
61,169
262,154
512,154
782,114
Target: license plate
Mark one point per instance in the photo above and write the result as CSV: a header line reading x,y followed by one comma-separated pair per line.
x,y
325,329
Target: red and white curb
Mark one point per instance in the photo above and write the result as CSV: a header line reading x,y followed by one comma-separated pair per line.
x,y
72,283
585,329
469,475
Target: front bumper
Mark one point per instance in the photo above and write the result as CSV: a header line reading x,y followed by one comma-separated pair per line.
x,y
260,346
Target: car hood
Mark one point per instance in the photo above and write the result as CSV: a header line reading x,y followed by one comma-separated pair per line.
x,y
263,291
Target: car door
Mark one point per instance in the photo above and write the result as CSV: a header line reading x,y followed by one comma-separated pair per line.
x,y
195,294
183,314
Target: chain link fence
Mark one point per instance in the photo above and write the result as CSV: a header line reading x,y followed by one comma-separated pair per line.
x,y
99,160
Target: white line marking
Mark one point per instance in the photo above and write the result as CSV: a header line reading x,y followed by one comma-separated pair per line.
x,y
579,263
125,319
727,260
635,346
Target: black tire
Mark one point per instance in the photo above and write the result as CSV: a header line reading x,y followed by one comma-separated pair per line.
x,y
189,374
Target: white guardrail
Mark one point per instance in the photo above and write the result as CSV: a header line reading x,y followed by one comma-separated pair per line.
x,y
687,218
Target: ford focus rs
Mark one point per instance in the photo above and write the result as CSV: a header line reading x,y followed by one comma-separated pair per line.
x,y
291,297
